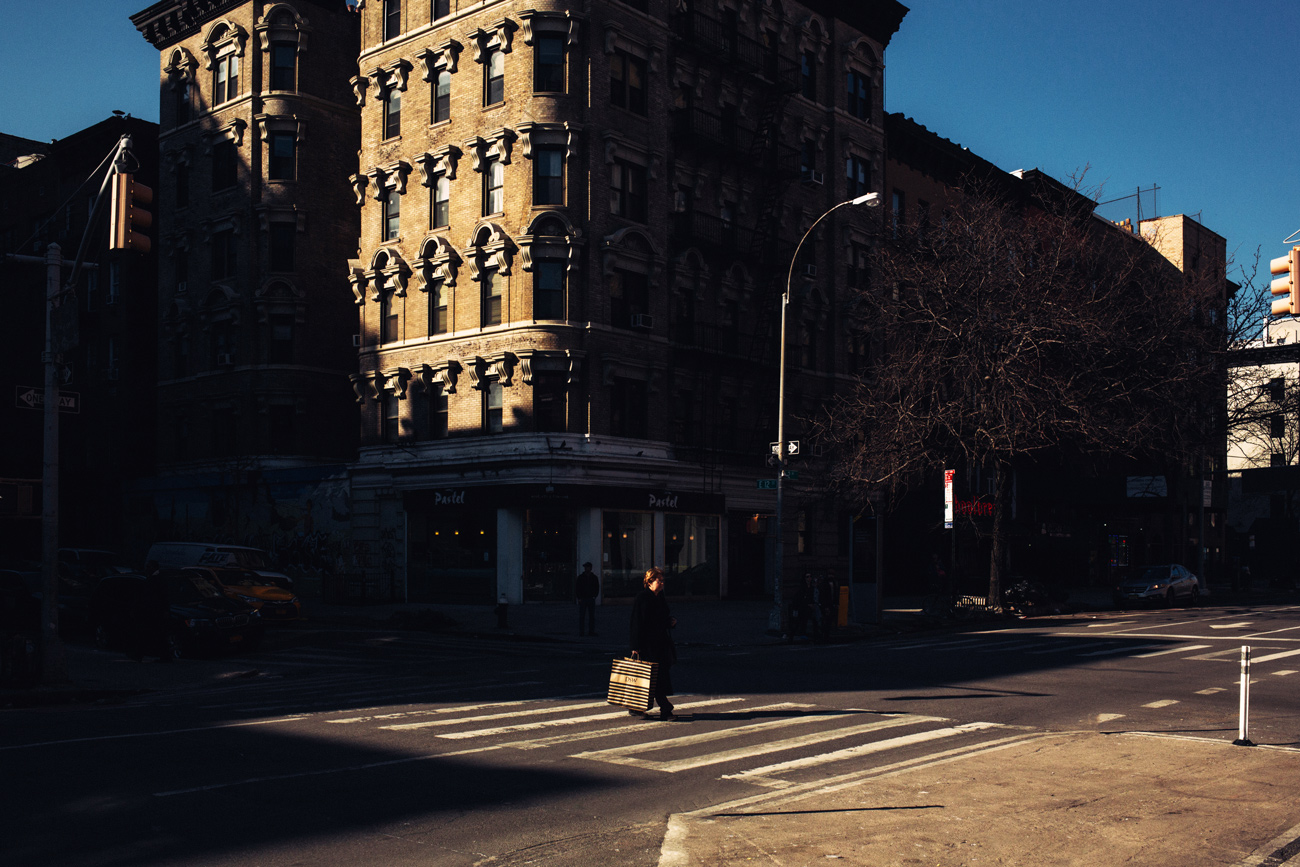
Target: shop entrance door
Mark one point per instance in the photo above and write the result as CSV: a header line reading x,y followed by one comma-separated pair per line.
x,y
550,540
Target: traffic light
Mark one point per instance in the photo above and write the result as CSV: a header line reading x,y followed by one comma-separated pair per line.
x,y
1287,285
129,215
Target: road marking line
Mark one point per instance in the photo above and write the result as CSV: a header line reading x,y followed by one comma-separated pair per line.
x,y
1240,625
1117,650
934,644
1164,702
1111,625
1184,649
1215,656
1283,673
998,648
622,755
1214,690
123,736
565,721
1064,648
540,711
1272,656
462,708
859,750
1108,717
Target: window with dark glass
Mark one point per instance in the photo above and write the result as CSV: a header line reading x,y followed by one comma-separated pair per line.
x,y
1276,389
548,175
548,63
222,343
392,215
857,173
548,289
493,400
807,158
182,264
440,202
627,190
627,78
392,19
225,432
442,97
494,176
898,212
429,412
182,185
550,391
223,254
392,417
183,105
490,297
284,66
441,9
494,81
280,346
225,165
1277,425
628,412
389,316
808,75
859,95
282,148
437,308
280,420
281,243
392,100
803,532
629,296
225,79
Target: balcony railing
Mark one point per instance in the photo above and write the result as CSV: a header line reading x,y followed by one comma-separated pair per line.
x,y
704,230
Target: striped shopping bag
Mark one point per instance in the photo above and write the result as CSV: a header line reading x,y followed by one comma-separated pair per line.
x,y
632,684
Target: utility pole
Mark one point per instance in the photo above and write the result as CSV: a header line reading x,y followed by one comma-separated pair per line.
x,y
54,667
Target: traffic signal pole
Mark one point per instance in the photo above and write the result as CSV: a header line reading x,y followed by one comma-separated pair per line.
x,y
54,667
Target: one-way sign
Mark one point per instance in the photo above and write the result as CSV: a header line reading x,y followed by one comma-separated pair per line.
x,y
31,397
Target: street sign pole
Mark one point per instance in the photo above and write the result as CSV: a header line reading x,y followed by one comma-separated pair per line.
x,y
53,664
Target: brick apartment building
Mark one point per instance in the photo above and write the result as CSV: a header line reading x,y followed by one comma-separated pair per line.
x,y
258,135
576,225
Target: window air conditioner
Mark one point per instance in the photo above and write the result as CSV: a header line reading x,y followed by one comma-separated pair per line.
x,y
643,320
225,359
810,270
815,178
180,287
356,341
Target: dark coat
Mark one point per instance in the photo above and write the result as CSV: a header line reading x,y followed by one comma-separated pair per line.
x,y
651,622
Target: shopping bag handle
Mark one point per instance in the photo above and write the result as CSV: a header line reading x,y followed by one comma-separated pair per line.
x,y
636,656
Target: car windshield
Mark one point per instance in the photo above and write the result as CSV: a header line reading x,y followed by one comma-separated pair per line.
x,y
100,561
247,559
1156,573
189,588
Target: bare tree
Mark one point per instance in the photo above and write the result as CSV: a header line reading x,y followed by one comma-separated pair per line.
x,y
1019,327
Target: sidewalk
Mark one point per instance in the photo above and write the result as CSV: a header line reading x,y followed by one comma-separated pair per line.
x,y
1079,798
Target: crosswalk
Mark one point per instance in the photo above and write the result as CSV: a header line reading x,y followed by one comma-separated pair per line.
x,y
770,744
1100,647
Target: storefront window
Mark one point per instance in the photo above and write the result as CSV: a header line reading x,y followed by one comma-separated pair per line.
x,y
691,554
628,552
452,556
549,570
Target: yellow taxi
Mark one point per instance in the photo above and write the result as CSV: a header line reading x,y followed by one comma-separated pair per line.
x,y
272,601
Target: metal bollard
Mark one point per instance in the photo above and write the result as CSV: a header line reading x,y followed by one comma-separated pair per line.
x,y
1243,709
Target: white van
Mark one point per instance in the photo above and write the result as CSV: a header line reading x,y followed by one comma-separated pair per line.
x,y
177,555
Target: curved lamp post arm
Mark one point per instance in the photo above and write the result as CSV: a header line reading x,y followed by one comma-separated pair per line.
x,y
777,618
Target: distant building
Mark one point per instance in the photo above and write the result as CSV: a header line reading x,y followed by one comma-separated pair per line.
x,y
47,194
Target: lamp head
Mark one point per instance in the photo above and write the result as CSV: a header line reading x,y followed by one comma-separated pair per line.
x,y
866,199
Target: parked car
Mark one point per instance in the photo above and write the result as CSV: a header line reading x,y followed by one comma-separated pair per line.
x,y
171,613
178,555
20,628
1159,585
94,561
243,585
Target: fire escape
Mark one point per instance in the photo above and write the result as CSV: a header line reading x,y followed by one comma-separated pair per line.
x,y
717,142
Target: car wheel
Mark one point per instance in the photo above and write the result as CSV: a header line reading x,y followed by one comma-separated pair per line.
x,y
1194,596
102,637
1170,599
174,648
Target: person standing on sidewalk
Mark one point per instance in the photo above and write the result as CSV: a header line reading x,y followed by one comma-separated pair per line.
x,y
650,637
585,590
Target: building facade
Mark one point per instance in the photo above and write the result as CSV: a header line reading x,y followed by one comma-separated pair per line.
x,y
576,225
258,135
48,194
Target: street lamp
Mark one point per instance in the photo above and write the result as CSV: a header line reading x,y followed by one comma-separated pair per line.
x,y
778,616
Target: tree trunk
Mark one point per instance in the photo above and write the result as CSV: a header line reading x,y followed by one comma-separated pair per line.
x,y
1001,507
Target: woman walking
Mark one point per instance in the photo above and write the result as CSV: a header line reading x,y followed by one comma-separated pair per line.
x,y
650,638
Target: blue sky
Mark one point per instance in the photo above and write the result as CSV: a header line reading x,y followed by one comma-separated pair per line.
x,y
1191,96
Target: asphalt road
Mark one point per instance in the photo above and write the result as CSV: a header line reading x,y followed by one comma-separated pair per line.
x,y
356,746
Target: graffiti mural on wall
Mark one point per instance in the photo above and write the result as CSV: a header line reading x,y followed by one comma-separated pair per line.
x,y
303,522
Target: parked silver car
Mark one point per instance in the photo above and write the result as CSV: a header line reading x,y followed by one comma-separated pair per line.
x,y
1159,585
